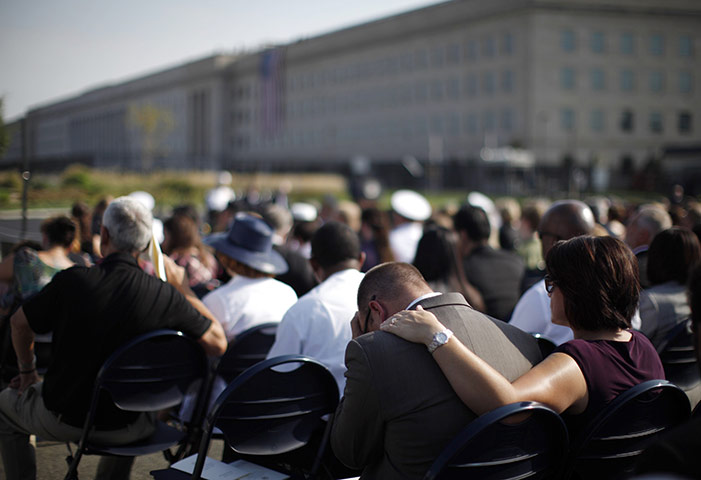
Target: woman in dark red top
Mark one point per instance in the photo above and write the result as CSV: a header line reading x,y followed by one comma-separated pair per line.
x,y
594,290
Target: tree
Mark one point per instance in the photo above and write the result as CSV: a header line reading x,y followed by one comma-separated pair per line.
x,y
154,124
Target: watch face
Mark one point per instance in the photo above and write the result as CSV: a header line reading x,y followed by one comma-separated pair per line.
x,y
441,337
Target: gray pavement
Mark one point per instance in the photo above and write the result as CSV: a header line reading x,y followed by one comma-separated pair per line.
x,y
51,462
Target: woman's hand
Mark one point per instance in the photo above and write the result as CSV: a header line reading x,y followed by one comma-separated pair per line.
x,y
418,326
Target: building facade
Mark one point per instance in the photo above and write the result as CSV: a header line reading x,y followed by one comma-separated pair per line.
x,y
603,87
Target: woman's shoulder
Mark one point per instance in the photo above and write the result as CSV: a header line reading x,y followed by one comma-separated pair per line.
x,y
26,255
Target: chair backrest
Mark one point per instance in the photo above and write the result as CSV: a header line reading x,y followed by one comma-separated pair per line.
x,y
609,447
274,407
545,345
517,441
151,372
679,358
247,349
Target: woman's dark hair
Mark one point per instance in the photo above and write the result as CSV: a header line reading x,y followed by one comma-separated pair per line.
x,y
671,253
378,221
436,253
182,232
598,279
59,231
82,217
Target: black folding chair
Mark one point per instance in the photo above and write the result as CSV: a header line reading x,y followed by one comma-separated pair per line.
x,y
152,372
610,446
524,440
545,345
247,349
273,414
679,358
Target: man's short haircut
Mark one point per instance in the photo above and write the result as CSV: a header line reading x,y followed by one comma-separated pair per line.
x,y
671,253
390,280
59,230
333,243
473,221
129,224
653,218
598,279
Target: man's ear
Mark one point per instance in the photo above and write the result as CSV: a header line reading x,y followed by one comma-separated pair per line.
x,y
104,240
361,260
316,268
104,235
378,315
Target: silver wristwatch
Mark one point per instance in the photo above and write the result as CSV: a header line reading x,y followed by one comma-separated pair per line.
x,y
439,339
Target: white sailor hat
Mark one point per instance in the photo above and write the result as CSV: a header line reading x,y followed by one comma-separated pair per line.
x,y
411,205
304,212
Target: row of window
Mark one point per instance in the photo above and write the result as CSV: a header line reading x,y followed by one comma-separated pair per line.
x,y
436,57
626,121
453,124
436,91
654,81
627,43
448,125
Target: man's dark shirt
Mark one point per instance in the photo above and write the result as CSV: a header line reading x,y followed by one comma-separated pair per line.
x,y
300,275
498,276
92,312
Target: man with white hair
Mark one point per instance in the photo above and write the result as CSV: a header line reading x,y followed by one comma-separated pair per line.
x,y
92,312
649,220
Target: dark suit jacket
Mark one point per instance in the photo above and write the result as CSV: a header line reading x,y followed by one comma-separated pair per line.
x,y
642,268
399,411
498,275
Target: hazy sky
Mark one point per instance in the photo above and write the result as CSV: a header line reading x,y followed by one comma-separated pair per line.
x,y
50,49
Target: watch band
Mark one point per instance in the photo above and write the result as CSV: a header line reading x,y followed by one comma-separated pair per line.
x,y
439,339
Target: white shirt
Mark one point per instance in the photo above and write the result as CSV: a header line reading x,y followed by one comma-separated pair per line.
x,y
246,302
404,239
318,325
532,314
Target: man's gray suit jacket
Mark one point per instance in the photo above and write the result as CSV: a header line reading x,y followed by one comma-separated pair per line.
x,y
399,411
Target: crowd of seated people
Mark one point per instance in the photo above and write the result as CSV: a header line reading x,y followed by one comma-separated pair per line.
x,y
562,272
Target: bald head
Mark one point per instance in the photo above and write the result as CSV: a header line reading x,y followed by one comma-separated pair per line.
x,y
389,288
565,219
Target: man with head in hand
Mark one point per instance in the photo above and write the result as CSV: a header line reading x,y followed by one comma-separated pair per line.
x,y
398,411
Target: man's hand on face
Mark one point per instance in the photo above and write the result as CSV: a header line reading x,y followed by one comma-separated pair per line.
x,y
355,325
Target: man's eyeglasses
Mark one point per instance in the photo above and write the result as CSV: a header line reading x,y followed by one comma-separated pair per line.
x,y
364,328
549,284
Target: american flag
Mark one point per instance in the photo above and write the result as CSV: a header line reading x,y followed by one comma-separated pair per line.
x,y
272,88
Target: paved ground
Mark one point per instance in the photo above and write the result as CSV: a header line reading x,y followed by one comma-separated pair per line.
x,y
51,463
